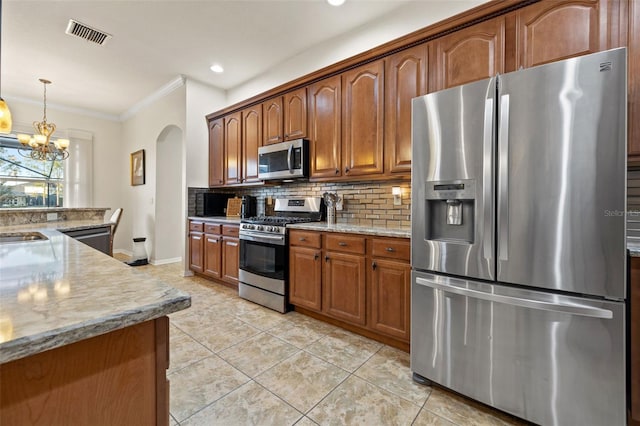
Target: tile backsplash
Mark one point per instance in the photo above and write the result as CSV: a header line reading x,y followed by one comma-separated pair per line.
x,y
364,203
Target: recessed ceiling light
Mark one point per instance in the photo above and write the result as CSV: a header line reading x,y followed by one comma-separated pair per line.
x,y
217,68
336,2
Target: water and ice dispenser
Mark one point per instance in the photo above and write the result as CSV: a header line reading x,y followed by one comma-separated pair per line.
x,y
450,208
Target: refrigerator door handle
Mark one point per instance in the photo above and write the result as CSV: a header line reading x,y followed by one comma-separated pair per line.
x,y
503,180
487,181
572,308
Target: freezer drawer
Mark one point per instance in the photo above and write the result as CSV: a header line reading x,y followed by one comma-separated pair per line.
x,y
550,359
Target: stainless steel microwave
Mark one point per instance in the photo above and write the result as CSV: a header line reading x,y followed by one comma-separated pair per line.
x,y
284,160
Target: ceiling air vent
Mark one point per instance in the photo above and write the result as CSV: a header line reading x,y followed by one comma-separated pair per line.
x,y
85,32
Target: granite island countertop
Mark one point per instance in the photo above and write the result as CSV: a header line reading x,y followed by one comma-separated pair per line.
x,y
59,291
354,229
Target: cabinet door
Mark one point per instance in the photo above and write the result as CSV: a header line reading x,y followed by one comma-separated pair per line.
x,y
273,121
344,287
251,140
471,54
635,339
553,30
391,297
295,114
305,277
212,255
363,122
216,152
406,78
232,142
196,252
230,259
325,127
633,74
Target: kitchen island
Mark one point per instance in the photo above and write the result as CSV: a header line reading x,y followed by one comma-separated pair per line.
x,y
83,336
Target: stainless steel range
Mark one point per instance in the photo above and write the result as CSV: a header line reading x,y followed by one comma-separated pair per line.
x,y
264,250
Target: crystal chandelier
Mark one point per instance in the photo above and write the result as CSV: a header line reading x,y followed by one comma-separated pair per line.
x,y
40,146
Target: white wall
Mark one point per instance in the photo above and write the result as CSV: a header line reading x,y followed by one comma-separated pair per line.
x,y
142,132
403,20
201,100
107,145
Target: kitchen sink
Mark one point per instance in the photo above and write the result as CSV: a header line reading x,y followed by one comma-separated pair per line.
x,y
20,237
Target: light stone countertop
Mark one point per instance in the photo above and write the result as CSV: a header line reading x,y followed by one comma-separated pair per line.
x,y
62,225
59,291
353,229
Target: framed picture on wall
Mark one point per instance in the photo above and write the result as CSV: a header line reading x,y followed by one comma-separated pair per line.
x,y
137,168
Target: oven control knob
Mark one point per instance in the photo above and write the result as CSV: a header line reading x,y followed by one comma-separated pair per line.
x,y
258,227
275,229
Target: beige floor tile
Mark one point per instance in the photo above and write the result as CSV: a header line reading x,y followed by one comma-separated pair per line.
x,y
389,369
250,404
172,421
344,349
297,335
224,332
184,350
306,421
311,323
201,383
302,380
264,319
463,411
257,354
427,418
357,402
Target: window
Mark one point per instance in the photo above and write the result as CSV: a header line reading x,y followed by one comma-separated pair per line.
x,y
25,182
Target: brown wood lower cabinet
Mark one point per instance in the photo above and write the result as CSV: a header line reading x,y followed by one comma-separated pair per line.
x,y
634,412
214,250
118,378
358,282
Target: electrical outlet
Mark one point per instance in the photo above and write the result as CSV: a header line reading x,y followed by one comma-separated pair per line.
x,y
52,216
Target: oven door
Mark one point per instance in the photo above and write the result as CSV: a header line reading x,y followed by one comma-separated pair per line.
x,y
264,256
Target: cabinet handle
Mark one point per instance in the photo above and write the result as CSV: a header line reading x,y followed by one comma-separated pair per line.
x,y
316,256
326,258
374,265
342,244
337,171
232,244
212,241
302,239
390,249
346,170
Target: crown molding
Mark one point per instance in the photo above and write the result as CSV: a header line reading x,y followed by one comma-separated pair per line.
x,y
174,84
58,107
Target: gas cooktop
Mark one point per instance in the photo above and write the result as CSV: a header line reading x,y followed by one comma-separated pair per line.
x,y
277,220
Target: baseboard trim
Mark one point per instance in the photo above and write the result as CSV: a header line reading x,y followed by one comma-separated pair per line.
x,y
166,261
123,251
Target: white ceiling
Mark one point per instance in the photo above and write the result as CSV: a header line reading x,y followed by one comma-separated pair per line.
x,y
155,41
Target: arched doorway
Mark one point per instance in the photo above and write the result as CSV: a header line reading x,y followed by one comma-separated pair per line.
x,y
168,242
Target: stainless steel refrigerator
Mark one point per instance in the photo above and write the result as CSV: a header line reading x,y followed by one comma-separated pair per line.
x,y
518,241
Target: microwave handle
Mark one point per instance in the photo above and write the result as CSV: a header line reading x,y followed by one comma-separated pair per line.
x,y
289,158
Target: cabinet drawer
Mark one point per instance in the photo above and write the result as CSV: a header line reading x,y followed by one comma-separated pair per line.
x,y
304,239
212,228
349,244
195,226
399,249
231,230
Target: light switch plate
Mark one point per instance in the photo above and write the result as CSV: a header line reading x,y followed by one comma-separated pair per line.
x,y
52,216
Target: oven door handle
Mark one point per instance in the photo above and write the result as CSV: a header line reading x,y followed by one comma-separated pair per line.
x,y
277,239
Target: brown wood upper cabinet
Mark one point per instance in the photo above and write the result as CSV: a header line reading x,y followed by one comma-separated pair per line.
x,y
633,75
216,152
251,140
233,147
285,117
406,77
363,120
550,31
471,54
325,127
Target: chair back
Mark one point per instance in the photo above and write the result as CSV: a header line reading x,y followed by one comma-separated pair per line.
x,y
115,220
